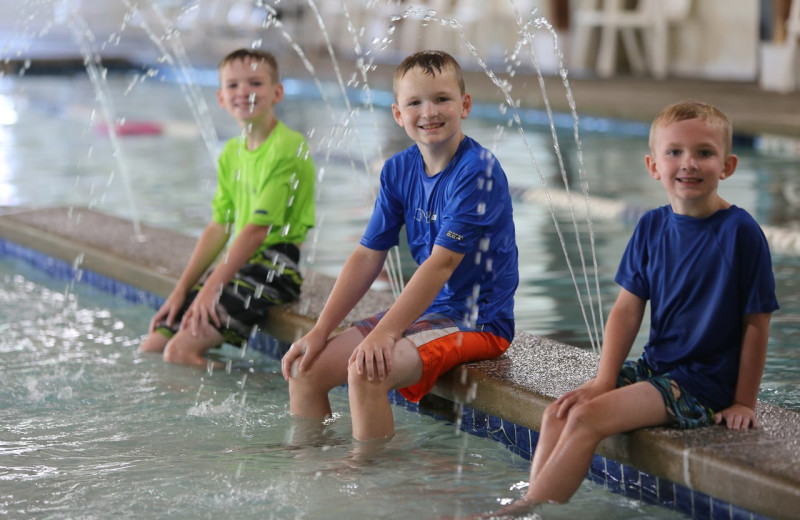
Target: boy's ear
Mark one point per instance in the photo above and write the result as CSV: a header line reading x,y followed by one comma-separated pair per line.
x,y
466,105
219,97
278,93
652,168
729,166
397,116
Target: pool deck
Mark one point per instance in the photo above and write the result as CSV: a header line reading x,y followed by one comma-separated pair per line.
x,y
757,470
753,111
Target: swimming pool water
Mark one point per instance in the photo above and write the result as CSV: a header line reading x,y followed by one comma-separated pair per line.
x,y
90,428
55,143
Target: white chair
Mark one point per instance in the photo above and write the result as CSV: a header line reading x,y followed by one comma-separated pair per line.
x,y
790,71
650,17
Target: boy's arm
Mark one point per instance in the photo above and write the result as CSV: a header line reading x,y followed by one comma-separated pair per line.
x,y
421,290
622,326
247,242
741,414
359,271
206,249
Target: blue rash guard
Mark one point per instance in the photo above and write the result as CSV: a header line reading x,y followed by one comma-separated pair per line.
x,y
702,276
465,208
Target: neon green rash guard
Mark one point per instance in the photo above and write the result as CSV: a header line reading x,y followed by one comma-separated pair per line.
x,y
272,185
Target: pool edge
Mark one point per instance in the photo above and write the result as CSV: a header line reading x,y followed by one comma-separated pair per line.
x,y
506,403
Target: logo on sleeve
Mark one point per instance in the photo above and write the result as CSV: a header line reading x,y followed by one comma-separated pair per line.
x,y
454,236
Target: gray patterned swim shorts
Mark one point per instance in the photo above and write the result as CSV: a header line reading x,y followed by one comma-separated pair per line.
x,y
684,409
273,278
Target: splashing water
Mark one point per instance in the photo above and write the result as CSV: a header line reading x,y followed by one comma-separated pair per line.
x,y
526,40
83,36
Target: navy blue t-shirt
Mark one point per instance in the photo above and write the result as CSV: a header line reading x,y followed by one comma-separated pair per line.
x,y
465,208
701,276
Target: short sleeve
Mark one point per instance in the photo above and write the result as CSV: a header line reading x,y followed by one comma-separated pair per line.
x,y
383,228
222,205
272,201
756,269
478,200
631,273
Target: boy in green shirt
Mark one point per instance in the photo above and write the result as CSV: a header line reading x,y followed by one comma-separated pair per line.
x,y
265,199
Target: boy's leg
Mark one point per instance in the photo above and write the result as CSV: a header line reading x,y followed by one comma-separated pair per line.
x,y
369,401
623,409
185,349
154,342
551,429
431,346
178,345
308,390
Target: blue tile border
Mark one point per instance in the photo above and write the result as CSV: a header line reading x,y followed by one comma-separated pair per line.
x,y
63,270
614,476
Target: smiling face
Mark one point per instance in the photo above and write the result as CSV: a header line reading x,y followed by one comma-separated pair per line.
x,y
690,157
430,106
248,90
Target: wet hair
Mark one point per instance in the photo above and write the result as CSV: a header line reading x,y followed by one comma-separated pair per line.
x,y
431,63
690,109
253,55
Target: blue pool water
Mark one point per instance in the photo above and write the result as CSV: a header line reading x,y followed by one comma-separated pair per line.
x,y
92,428
57,140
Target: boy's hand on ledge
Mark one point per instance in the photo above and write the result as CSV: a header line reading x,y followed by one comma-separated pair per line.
x,y
737,417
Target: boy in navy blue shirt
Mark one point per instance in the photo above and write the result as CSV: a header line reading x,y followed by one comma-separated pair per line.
x,y
705,266
452,196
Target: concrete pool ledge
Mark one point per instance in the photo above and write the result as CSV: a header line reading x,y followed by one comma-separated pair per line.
x,y
756,471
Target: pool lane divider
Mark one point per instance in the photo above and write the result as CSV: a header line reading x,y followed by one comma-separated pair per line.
x,y
707,473
781,240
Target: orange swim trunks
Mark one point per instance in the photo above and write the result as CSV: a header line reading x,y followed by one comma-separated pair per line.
x,y
442,344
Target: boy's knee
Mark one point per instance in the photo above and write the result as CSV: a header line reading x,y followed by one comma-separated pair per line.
x,y
354,379
550,414
360,383
154,342
181,351
551,410
307,382
581,418
173,355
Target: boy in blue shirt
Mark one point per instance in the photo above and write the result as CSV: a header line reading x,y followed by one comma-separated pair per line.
x,y
453,198
705,266
265,200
